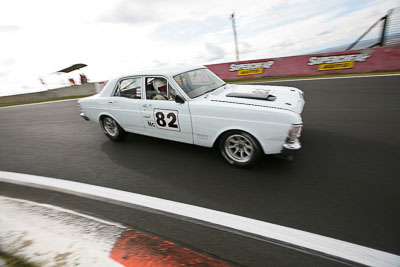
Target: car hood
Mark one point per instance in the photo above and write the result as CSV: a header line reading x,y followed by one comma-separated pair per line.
x,y
281,97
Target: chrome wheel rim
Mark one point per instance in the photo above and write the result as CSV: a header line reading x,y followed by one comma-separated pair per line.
x,y
110,126
239,148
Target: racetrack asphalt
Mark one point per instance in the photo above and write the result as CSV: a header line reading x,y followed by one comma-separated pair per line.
x,y
344,183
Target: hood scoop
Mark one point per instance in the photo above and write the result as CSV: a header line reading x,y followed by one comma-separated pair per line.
x,y
260,94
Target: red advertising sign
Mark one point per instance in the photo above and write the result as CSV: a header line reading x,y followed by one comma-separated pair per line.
x,y
355,61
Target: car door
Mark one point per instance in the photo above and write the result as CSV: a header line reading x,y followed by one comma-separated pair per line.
x,y
125,104
162,116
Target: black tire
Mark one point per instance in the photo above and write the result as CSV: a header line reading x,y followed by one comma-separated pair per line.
x,y
112,129
240,148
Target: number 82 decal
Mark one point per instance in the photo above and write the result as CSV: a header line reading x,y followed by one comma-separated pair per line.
x,y
166,119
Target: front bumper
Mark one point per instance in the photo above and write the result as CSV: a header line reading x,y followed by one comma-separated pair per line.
x,y
291,147
84,116
289,150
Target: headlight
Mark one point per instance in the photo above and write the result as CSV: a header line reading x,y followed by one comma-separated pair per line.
x,y
294,133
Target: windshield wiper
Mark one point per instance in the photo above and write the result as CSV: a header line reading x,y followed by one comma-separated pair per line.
x,y
208,93
220,86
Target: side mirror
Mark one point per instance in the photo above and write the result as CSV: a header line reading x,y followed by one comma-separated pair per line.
x,y
179,99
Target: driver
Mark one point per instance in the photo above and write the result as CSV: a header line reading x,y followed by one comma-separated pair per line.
x,y
160,86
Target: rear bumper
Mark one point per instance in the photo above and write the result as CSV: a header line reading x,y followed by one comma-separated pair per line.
x,y
84,116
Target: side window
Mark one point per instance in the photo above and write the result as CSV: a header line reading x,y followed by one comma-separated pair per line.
x,y
158,88
130,88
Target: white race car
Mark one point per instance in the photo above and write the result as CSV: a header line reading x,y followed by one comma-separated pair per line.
x,y
192,105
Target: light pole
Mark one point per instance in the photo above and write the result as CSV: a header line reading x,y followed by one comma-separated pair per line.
x,y
235,35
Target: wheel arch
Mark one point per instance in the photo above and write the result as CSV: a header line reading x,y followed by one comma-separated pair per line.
x,y
106,114
223,132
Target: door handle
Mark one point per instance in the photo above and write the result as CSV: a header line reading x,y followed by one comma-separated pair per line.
x,y
146,105
111,101
146,116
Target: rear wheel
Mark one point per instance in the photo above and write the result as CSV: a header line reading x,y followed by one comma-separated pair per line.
x,y
240,148
112,129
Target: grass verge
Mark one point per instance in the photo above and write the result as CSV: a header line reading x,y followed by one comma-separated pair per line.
x,y
12,261
267,79
42,100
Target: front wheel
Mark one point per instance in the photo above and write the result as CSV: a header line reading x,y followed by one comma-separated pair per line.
x,y
112,129
240,148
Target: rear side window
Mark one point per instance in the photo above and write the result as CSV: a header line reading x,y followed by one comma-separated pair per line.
x,y
130,88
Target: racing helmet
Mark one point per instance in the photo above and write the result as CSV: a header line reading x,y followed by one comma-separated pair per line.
x,y
160,84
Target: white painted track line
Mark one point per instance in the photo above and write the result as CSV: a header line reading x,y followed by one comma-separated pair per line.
x,y
326,78
297,238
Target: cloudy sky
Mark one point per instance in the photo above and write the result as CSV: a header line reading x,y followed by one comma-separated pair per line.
x,y
114,37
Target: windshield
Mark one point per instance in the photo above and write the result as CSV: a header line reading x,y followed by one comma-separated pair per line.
x,y
198,82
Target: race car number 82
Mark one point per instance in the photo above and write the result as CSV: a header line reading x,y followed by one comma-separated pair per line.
x,y
166,119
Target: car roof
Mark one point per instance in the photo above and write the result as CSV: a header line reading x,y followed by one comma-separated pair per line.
x,y
167,71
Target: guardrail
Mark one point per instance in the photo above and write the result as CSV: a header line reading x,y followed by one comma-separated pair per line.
x,y
355,61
